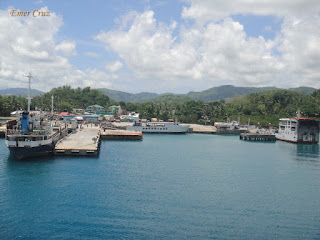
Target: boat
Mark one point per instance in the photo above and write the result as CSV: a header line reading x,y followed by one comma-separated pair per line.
x,y
298,130
158,127
29,136
228,127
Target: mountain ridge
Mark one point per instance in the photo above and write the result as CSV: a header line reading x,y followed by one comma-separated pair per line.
x,y
20,92
211,94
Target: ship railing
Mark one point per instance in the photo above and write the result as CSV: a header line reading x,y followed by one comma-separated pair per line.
x,y
35,132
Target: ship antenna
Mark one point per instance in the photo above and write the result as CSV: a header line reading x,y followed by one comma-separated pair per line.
x,y
29,91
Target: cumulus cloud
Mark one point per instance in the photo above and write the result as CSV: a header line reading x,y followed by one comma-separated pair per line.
x,y
27,44
216,49
207,10
114,67
67,48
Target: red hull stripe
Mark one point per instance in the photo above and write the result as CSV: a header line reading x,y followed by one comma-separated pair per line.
x,y
287,140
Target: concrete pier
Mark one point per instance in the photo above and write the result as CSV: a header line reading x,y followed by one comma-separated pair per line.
x,y
120,135
83,142
197,128
257,137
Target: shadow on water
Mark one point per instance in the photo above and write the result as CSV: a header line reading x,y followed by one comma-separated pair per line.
x,y
32,166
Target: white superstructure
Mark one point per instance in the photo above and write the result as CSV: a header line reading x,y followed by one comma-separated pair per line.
x,y
158,127
298,130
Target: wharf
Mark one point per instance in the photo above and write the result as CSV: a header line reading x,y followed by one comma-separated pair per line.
x,y
257,137
197,128
120,135
83,142
226,131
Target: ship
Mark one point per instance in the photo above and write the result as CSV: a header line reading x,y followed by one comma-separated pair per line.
x,y
29,136
298,130
158,127
228,127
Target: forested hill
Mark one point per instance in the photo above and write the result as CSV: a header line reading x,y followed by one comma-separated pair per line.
x,y
128,97
212,94
20,92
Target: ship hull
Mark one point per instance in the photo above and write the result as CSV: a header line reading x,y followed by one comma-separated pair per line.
x,y
26,152
295,141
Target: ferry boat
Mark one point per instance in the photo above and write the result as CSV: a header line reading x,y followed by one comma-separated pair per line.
x,y
29,136
298,130
158,127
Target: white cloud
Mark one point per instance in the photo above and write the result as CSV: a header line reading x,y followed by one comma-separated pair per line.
x,y
67,48
211,53
27,44
91,54
207,10
114,67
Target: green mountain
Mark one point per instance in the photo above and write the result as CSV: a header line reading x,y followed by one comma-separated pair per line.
x,y
306,90
225,91
20,92
128,97
211,94
170,97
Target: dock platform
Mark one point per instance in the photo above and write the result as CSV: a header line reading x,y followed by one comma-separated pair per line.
x,y
257,137
83,142
120,135
197,128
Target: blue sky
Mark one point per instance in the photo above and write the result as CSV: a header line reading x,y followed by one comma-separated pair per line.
x,y
166,46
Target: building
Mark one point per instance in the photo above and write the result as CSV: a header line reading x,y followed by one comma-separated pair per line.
x,y
96,109
115,109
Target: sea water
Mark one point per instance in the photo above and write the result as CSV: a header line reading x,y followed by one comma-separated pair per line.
x,y
165,187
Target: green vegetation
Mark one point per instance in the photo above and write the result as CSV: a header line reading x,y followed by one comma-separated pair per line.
x,y
128,97
212,94
67,98
261,108
9,104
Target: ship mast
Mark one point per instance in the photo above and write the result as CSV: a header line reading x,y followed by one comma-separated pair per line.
x,y
29,91
52,97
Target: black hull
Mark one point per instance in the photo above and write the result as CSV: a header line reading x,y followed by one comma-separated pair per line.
x,y
23,153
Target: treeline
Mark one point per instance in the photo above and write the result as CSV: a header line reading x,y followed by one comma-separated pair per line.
x,y
264,108
11,103
67,98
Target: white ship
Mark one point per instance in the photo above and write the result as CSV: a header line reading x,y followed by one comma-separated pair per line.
x,y
158,127
298,130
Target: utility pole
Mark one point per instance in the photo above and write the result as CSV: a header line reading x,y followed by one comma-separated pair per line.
x,y
52,105
29,91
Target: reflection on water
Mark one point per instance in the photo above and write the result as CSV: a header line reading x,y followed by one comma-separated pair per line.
x,y
307,152
301,152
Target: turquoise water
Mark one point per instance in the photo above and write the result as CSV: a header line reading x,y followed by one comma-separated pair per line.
x,y
165,187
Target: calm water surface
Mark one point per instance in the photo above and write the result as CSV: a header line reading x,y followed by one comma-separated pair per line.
x,y
165,187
